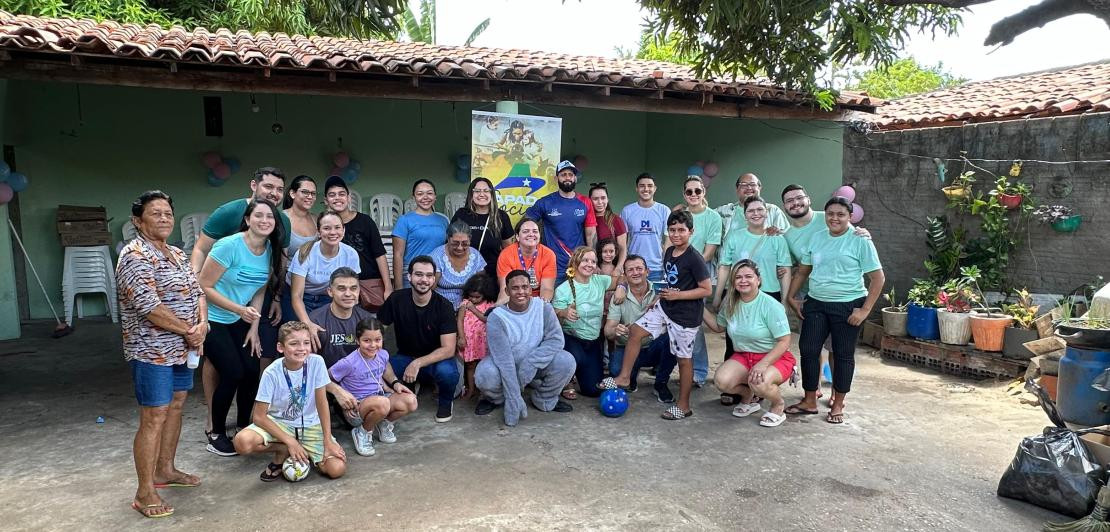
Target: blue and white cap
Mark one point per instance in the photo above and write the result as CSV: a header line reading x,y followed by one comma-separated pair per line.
x,y
564,165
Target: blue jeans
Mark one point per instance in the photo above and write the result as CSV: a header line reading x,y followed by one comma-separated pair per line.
x,y
587,356
655,275
655,354
155,385
445,375
701,357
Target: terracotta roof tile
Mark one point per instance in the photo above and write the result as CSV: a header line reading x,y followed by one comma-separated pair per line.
x,y
281,51
1070,90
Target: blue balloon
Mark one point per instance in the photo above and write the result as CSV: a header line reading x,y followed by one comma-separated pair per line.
x,y
695,170
233,164
5,170
355,165
613,403
463,162
349,175
214,181
17,181
462,175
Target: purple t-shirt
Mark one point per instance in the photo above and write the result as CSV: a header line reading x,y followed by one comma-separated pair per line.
x,y
360,376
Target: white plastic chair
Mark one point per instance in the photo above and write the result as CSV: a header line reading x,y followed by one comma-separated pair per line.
x,y
387,239
453,202
385,209
410,205
129,231
88,270
355,203
191,225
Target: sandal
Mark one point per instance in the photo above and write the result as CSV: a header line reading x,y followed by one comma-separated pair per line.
x,y
835,419
569,394
675,413
771,419
271,473
798,410
184,481
608,383
746,409
149,509
729,399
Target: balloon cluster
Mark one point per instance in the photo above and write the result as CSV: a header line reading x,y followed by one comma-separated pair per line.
x,y
704,170
10,183
849,193
345,167
462,168
219,167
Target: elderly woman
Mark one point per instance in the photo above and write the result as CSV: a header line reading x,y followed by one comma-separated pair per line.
x,y
456,262
838,302
489,232
164,316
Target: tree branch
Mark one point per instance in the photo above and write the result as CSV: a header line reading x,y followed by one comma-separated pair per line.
x,y
954,4
1006,30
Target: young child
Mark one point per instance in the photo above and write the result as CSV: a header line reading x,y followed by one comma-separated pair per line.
x,y
607,256
479,294
286,420
367,375
680,303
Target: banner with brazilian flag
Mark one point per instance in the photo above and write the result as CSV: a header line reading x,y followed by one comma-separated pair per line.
x,y
518,154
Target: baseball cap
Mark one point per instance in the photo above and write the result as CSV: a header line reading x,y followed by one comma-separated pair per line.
x,y
335,181
564,165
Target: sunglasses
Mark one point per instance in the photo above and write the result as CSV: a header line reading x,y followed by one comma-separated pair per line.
x,y
694,191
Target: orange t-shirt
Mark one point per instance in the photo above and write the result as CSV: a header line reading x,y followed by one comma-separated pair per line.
x,y
540,267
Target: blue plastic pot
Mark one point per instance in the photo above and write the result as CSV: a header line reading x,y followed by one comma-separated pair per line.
x,y
922,323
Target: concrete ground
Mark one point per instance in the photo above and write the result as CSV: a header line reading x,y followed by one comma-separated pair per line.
x,y
918,451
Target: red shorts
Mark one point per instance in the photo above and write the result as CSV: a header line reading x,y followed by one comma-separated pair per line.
x,y
785,363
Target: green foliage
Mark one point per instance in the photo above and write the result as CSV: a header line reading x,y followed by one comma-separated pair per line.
x,y
421,27
923,293
998,236
955,295
892,298
665,49
903,78
788,41
946,249
1023,311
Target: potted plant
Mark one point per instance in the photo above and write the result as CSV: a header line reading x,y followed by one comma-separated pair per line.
x,y
1061,217
954,318
1010,195
1022,330
921,313
987,328
894,316
960,187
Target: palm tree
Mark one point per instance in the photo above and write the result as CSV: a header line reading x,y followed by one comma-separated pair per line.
x,y
423,29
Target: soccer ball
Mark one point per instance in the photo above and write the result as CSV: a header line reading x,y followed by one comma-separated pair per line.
x,y
294,471
613,403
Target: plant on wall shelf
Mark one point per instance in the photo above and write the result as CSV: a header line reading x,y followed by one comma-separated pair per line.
x,y
1047,214
998,234
955,295
892,298
960,187
923,293
946,249
1023,311
1013,195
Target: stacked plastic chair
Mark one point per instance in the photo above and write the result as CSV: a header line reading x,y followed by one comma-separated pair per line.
x,y
191,225
88,270
355,203
453,202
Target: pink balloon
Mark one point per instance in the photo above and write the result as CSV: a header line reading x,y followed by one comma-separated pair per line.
x,y
581,162
222,171
857,213
336,171
341,159
211,159
6,193
711,169
846,192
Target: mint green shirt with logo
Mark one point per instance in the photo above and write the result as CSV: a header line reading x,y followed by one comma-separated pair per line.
x,y
707,230
772,252
798,237
839,263
755,326
588,300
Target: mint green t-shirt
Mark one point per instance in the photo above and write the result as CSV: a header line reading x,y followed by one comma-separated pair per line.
x,y
772,253
838,265
244,274
755,325
707,230
798,237
226,219
589,302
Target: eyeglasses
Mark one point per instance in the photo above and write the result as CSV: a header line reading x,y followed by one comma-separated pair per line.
x,y
795,199
748,185
307,193
459,244
694,191
481,191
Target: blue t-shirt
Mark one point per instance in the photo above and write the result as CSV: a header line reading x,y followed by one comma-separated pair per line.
x,y
564,222
646,227
422,233
245,274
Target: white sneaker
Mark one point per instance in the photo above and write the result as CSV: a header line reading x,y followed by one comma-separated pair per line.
x,y
364,444
385,432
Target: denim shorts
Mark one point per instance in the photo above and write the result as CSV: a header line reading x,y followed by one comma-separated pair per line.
x,y
155,385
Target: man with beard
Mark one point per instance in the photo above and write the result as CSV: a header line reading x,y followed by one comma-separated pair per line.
x,y
425,329
567,218
804,221
732,214
525,347
340,317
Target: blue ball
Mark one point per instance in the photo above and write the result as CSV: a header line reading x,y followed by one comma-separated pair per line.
x,y
17,181
613,403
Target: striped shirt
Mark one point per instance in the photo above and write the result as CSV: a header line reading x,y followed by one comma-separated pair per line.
x,y
147,278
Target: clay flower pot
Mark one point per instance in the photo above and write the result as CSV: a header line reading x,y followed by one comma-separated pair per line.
x,y
955,327
894,322
989,330
955,192
1010,201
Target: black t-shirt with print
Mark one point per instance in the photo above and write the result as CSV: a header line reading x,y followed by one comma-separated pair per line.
x,y
490,247
684,272
417,328
362,234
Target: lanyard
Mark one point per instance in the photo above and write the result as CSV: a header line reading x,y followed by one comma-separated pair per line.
x,y
520,255
297,400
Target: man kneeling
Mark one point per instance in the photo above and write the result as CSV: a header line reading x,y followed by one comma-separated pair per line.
x,y
286,420
525,347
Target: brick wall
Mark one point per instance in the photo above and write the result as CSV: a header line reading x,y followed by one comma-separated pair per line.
x,y
898,193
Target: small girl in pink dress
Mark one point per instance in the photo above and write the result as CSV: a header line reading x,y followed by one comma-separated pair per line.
x,y
479,294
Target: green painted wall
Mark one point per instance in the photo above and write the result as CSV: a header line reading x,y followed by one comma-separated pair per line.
x,y
96,145
9,305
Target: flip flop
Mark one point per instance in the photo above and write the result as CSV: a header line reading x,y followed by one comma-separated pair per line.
x,y
569,394
145,510
834,419
771,419
608,383
674,414
797,410
181,483
271,473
